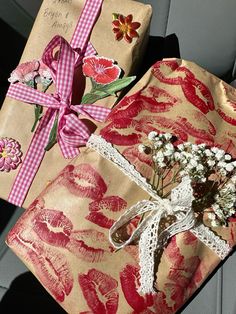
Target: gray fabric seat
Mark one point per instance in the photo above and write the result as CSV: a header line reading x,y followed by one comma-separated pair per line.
x,y
206,30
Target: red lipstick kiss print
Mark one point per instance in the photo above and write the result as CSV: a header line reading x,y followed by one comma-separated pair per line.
x,y
129,278
197,115
160,304
225,117
99,209
182,271
111,134
142,162
156,99
193,131
172,252
53,271
180,277
191,88
196,92
164,123
227,143
190,239
50,266
53,227
89,245
100,291
84,181
163,69
128,107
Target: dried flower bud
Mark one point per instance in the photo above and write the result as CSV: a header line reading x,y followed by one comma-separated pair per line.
x,y
229,167
141,148
211,163
152,135
228,157
167,136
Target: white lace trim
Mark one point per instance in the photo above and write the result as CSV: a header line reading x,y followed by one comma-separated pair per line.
x,y
213,241
203,233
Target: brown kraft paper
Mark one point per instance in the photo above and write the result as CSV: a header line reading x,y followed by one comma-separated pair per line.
x,y
66,227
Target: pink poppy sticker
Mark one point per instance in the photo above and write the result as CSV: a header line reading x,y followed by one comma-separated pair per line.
x,y
101,70
105,78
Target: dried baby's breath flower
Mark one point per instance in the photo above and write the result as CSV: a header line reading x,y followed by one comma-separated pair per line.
x,y
211,170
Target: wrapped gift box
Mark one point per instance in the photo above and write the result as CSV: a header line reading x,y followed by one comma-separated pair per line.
x,y
60,18
63,237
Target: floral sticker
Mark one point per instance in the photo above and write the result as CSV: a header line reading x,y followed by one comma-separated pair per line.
x,y
104,75
10,154
124,27
33,73
25,72
101,70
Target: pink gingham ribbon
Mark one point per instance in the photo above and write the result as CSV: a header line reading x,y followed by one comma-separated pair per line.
x,y
72,132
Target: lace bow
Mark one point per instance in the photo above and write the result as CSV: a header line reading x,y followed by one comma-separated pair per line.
x,y
151,237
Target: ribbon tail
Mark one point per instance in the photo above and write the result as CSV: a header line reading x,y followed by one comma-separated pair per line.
x,y
97,113
32,160
147,247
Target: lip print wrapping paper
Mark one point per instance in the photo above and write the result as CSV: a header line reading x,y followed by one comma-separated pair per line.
x,y
63,236
60,18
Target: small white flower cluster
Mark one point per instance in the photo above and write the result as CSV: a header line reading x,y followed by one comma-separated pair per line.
x,y
224,206
199,162
218,159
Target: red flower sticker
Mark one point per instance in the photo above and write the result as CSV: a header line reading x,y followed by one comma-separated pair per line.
x,y
102,70
124,27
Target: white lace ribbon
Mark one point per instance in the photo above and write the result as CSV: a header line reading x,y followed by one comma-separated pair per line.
x,y
150,240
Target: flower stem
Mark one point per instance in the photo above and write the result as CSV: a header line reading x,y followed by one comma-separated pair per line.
x,y
53,135
38,115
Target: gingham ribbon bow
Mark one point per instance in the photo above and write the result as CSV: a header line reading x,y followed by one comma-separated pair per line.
x,y
71,131
151,237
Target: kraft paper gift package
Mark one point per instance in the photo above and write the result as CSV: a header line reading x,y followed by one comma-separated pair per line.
x,y
140,219
119,52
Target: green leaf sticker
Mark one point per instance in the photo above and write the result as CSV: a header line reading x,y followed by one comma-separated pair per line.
x,y
100,91
117,85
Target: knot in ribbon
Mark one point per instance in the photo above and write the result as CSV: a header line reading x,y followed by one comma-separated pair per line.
x,y
149,231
